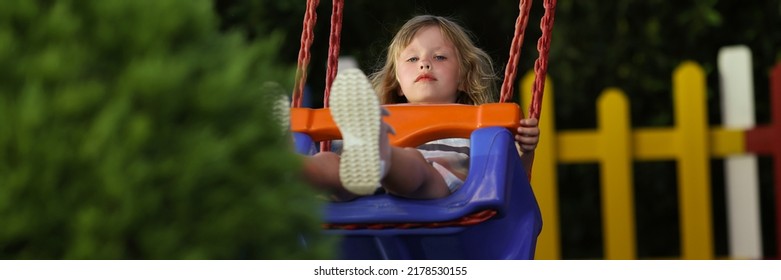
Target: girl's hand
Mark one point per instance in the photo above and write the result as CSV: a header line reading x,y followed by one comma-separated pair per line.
x,y
528,135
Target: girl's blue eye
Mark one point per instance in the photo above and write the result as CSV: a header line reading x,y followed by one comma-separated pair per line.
x,y
440,57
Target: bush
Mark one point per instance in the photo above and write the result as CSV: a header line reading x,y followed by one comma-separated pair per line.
x,y
136,130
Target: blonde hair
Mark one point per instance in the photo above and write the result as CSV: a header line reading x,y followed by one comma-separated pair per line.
x,y
478,79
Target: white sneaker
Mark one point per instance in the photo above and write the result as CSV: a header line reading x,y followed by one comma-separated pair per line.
x,y
356,110
281,105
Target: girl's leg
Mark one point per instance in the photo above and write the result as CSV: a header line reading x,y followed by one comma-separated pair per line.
x,y
412,176
409,175
322,172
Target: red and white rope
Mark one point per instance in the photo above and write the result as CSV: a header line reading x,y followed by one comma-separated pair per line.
x,y
334,43
307,37
541,64
511,68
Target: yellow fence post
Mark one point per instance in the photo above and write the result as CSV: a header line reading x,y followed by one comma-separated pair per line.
x,y
691,141
615,145
544,171
618,215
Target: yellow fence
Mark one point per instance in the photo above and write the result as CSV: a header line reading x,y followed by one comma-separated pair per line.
x,y
614,145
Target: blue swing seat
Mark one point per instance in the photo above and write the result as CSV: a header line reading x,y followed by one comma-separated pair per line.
x,y
496,182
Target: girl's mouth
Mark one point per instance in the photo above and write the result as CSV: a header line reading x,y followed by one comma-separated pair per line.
x,y
425,77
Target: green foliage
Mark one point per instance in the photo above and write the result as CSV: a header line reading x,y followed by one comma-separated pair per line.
x,y
136,130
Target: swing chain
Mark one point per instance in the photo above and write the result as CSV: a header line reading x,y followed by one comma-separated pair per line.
x,y
510,69
307,37
541,64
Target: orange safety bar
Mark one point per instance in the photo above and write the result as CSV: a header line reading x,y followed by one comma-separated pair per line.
x,y
415,124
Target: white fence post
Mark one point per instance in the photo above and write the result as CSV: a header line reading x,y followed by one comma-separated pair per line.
x,y
741,174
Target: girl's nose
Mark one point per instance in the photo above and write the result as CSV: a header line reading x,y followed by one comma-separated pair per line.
x,y
425,65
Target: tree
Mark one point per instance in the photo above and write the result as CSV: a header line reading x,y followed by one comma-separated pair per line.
x,y
137,130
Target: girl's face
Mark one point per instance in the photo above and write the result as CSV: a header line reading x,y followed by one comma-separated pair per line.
x,y
427,69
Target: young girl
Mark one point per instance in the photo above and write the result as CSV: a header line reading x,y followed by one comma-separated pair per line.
x,y
431,60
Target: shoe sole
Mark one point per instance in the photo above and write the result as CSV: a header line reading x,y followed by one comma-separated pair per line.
x,y
356,110
280,107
